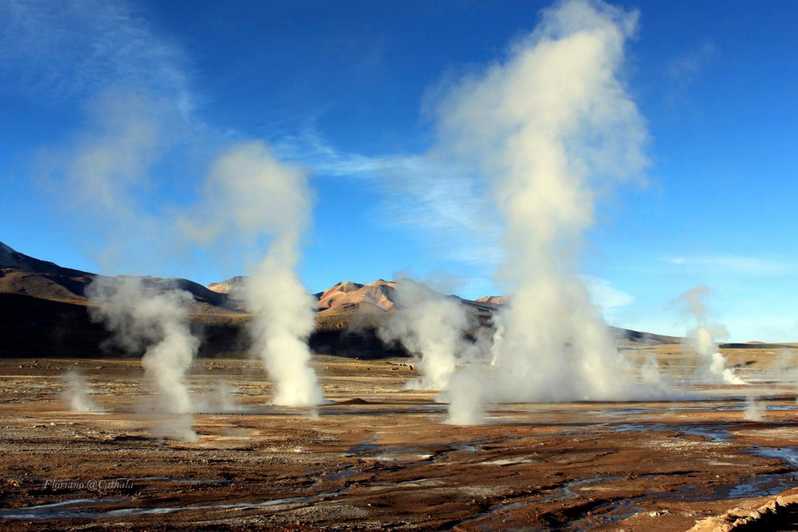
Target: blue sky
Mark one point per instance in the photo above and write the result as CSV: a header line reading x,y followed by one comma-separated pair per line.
x,y
345,88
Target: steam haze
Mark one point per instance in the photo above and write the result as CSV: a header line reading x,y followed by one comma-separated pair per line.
x,y
431,326
249,192
144,318
702,340
76,394
553,128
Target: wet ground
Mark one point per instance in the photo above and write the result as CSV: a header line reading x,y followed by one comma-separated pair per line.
x,y
380,456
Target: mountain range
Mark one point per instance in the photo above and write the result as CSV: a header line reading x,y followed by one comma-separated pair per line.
x,y
45,312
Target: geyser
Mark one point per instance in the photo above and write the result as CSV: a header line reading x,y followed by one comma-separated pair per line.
x,y
431,327
153,317
551,127
250,193
754,410
711,364
76,393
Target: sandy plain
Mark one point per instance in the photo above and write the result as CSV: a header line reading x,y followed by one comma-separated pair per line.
x,y
379,456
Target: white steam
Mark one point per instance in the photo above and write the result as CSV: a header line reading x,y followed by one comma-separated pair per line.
x,y
552,126
76,393
754,410
431,327
220,398
250,193
784,368
711,364
650,372
145,316
111,158
283,319
104,172
466,396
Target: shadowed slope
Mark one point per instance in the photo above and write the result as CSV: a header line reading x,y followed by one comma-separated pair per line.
x,y
44,310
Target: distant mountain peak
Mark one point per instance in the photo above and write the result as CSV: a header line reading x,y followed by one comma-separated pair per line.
x,y
11,258
224,287
348,294
493,300
347,286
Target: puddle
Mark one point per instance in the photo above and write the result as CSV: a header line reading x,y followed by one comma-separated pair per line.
x,y
63,510
786,454
343,473
761,486
404,484
688,408
787,408
363,449
56,510
771,484
641,427
728,408
564,492
465,447
757,485
605,515
568,490
185,481
387,453
713,433
628,411
512,461
397,457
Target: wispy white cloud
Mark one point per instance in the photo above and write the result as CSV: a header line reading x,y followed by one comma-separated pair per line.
x,y
75,49
419,191
684,68
733,264
607,296
133,84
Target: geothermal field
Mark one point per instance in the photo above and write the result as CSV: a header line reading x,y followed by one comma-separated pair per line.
x,y
377,455
569,236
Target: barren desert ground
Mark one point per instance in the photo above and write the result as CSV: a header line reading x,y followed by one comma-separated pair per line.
x,y
380,456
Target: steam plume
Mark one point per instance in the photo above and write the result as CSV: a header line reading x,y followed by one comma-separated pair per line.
x,y
141,316
711,364
248,191
650,372
220,398
552,126
754,410
76,393
467,396
282,322
104,171
431,326
784,368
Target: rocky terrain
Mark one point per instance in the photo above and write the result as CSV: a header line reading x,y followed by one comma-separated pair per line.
x,y
377,454
380,456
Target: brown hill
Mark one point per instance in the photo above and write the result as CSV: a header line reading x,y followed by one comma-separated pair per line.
x,y
21,274
346,294
349,309
44,311
492,300
227,286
